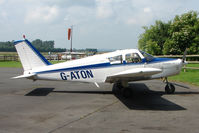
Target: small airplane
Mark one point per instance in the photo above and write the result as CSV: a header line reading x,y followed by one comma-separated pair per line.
x,y
119,67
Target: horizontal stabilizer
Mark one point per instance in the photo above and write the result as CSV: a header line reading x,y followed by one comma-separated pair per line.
x,y
24,76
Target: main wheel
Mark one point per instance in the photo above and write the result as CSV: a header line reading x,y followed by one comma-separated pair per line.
x,y
126,92
169,88
117,87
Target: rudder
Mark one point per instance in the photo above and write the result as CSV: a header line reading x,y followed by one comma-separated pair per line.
x,y
30,57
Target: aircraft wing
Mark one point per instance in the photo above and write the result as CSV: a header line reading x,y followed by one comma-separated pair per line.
x,y
133,74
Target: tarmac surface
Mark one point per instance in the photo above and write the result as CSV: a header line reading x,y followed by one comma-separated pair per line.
x,y
60,107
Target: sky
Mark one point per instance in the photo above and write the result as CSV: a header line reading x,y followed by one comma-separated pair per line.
x,y
101,24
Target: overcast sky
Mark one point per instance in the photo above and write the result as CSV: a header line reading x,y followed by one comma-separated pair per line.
x,y
102,24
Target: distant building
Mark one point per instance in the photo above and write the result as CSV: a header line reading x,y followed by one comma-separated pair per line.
x,y
72,55
91,50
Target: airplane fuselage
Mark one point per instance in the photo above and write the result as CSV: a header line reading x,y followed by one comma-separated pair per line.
x,y
97,68
119,67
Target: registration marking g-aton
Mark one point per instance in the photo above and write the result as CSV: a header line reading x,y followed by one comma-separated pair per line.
x,y
81,74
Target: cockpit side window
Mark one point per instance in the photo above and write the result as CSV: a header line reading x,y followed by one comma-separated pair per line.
x,y
116,59
133,58
147,56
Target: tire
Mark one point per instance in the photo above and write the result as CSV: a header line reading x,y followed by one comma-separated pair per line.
x,y
119,85
126,92
117,88
169,88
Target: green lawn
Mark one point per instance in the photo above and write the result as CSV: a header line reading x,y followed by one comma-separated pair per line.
x,y
17,64
10,64
192,65
190,76
55,61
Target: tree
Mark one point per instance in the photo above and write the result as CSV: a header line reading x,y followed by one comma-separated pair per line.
x,y
42,46
153,48
152,41
172,37
7,46
185,32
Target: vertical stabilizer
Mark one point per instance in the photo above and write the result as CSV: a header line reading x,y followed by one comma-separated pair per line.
x,y
29,55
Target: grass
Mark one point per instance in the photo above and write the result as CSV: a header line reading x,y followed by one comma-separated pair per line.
x,y
193,65
15,53
17,64
190,76
8,53
56,61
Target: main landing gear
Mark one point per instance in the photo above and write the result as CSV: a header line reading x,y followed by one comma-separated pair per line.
x,y
169,88
123,88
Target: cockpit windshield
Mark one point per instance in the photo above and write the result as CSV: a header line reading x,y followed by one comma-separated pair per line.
x,y
147,56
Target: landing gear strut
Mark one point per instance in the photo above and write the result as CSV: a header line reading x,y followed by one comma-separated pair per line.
x,y
169,88
123,89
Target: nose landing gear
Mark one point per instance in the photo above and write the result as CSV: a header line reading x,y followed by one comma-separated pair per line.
x,y
169,88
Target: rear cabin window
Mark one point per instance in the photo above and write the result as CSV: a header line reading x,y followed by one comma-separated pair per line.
x,y
133,58
116,59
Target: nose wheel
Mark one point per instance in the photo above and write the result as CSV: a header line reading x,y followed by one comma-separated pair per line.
x,y
169,88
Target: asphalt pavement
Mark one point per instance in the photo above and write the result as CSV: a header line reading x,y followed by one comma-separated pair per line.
x,y
71,107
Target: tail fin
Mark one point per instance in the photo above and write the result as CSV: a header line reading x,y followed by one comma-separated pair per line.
x,y
29,55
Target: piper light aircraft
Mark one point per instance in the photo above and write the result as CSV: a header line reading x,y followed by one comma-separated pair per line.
x,y
119,67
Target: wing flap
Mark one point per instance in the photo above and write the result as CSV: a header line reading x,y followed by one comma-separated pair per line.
x,y
135,73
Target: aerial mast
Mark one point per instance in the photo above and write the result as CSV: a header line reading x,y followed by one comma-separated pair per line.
x,y
70,34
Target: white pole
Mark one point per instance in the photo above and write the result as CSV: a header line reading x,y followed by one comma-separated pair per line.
x,y
71,46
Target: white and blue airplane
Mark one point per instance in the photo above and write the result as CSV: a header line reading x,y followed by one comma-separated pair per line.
x,y
119,67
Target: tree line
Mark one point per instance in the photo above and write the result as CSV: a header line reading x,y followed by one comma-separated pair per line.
x,y
172,37
42,46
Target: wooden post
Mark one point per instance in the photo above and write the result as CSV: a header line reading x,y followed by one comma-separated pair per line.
x,y
184,68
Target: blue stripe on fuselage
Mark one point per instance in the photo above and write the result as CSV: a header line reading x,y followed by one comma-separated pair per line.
x,y
77,68
103,65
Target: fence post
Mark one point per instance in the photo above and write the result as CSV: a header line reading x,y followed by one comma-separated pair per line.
x,y
184,68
